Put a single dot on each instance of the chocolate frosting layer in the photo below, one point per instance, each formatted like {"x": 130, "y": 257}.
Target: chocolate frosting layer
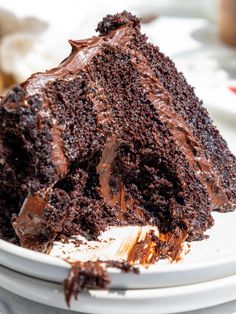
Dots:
{"x": 104, "y": 170}
{"x": 30, "y": 222}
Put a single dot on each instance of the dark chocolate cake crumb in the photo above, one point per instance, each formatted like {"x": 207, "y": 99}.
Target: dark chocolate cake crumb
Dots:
{"x": 92, "y": 275}
{"x": 84, "y": 276}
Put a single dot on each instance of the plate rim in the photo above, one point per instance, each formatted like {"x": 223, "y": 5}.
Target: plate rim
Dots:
{"x": 38, "y": 257}
{"x": 103, "y": 299}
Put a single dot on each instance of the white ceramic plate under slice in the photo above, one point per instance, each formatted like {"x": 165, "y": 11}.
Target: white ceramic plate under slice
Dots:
{"x": 207, "y": 260}
{"x": 148, "y": 301}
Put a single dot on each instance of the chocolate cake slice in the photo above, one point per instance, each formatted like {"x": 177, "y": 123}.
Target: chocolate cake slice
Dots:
{"x": 113, "y": 136}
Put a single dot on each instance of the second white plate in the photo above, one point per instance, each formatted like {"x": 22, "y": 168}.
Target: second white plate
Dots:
{"x": 149, "y": 301}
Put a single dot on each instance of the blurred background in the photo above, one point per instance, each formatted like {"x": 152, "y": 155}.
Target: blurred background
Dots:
{"x": 199, "y": 35}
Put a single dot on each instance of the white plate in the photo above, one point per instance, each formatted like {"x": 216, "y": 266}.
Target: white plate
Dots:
{"x": 210, "y": 259}
{"x": 149, "y": 301}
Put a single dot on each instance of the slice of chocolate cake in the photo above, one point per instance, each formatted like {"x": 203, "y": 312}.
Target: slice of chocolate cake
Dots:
{"x": 113, "y": 136}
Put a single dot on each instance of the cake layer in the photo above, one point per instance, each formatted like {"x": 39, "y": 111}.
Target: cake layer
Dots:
{"x": 113, "y": 136}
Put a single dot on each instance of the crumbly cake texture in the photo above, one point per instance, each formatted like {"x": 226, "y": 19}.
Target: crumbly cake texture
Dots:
{"x": 91, "y": 275}
{"x": 113, "y": 136}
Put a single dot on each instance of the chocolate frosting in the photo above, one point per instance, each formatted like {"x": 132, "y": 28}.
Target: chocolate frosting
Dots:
{"x": 29, "y": 223}
{"x": 57, "y": 155}
{"x": 104, "y": 170}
